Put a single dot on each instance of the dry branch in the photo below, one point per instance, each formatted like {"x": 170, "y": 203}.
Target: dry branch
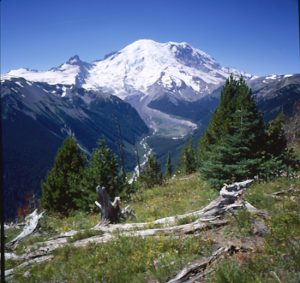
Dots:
{"x": 286, "y": 192}
{"x": 30, "y": 225}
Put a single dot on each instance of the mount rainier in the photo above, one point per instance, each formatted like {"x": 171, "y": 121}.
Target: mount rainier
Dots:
{"x": 142, "y": 73}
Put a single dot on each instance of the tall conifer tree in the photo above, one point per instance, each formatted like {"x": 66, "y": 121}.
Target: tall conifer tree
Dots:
{"x": 60, "y": 188}
{"x": 188, "y": 161}
{"x": 169, "y": 167}
{"x": 235, "y": 145}
{"x": 103, "y": 170}
{"x": 151, "y": 174}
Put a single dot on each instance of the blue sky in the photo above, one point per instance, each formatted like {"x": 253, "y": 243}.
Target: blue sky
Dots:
{"x": 257, "y": 36}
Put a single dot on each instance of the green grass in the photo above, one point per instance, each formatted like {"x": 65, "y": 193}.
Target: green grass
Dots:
{"x": 280, "y": 255}
{"x": 11, "y": 233}
{"x": 157, "y": 259}
{"x": 55, "y": 223}
{"x": 127, "y": 259}
{"x": 122, "y": 260}
{"x": 240, "y": 224}
{"x": 175, "y": 197}
{"x": 186, "y": 220}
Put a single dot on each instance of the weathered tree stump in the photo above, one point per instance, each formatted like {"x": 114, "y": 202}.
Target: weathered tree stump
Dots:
{"x": 110, "y": 211}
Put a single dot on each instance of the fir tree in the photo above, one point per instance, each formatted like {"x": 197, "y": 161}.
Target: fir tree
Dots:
{"x": 102, "y": 170}
{"x": 235, "y": 150}
{"x": 276, "y": 140}
{"x": 232, "y": 159}
{"x": 236, "y": 101}
{"x": 60, "y": 188}
{"x": 218, "y": 125}
{"x": 169, "y": 167}
{"x": 278, "y": 159}
{"x": 151, "y": 174}
{"x": 188, "y": 162}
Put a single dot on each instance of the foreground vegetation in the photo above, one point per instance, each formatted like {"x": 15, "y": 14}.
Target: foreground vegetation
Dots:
{"x": 156, "y": 259}
{"x": 278, "y": 259}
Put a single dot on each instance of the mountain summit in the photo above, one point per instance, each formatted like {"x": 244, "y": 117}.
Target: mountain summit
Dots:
{"x": 145, "y": 63}
{"x": 139, "y": 66}
{"x": 141, "y": 73}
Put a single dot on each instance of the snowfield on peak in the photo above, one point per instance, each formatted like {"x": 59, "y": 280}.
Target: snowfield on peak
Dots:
{"x": 137, "y": 67}
{"x": 66, "y": 75}
{"x": 69, "y": 73}
{"x": 145, "y": 62}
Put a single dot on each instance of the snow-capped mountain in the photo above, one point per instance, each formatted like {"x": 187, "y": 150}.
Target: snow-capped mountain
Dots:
{"x": 141, "y": 73}
{"x": 73, "y": 72}
{"x": 137, "y": 67}
{"x": 174, "y": 66}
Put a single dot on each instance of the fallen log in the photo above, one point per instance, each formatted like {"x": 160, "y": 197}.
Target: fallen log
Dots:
{"x": 198, "y": 269}
{"x": 10, "y": 272}
{"x": 49, "y": 246}
{"x": 31, "y": 222}
{"x": 227, "y": 200}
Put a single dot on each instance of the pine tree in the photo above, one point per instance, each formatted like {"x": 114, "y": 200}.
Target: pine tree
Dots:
{"x": 278, "y": 158}
{"x": 60, "y": 188}
{"x": 218, "y": 125}
{"x": 232, "y": 160}
{"x": 188, "y": 162}
{"x": 169, "y": 167}
{"x": 276, "y": 140}
{"x": 151, "y": 174}
{"x": 235, "y": 97}
{"x": 235, "y": 151}
{"x": 103, "y": 170}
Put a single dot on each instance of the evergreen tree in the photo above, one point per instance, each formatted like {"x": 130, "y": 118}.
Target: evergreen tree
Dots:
{"x": 169, "y": 167}
{"x": 102, "y": 170}
{"x": 276, "y": 140}
{"x": 235, "y": 145}
{"x": 232, "y": 159}
{"x": 220, "y": 120}
{"x": 151, "y": 174}
{"x": 60, "y": 188}
{"x": 236, "y": 101}
{"x": 188, "y": 162}
{"x": 278, "y": 159}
